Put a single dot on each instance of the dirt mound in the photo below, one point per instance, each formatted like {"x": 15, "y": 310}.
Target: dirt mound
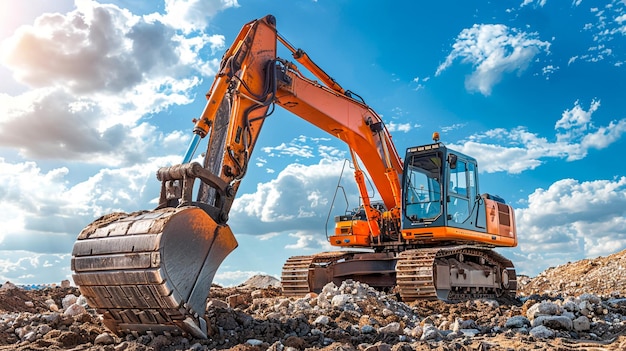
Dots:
{"x": 262, "y": 281}
{"x": 15, "y": 299}
{"x": 603, "y": 276}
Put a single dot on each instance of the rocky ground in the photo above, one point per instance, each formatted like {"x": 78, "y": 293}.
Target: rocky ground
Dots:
{"x": 577, "y": 306}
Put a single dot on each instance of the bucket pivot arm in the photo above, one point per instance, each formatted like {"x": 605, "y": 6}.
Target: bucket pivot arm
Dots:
{"x": 177, "y": 184}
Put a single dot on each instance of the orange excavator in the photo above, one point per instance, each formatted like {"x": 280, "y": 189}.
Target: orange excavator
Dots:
{"x": 430, "y": 236}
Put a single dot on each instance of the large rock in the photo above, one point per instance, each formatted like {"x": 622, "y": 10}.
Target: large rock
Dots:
{"x": 104, "y": 339}
{"x": 553, "y": 322}
{"x": 581, "y": 323}
{"x": 469, "y": 332}
{"x": 517, "y": 322}
{"x": 391, "y": 328}
{"x": 323, "y": 320}
{"x": 74, "y": 310}
{"x": 570, "y": 306}
{"x": 463, "y": 324}
{"x": 69, "y": 300}
{"x": 340, "y": 301}
{"x": 590, "y": 297}
{"x": 542, "y": 332}
{"x": 544, "y": 308}
{"x": 430, "y": 332}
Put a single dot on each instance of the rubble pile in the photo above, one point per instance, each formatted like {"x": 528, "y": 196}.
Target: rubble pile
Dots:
{"x": 604, "y": 276}
{"x": 351, "y": 316}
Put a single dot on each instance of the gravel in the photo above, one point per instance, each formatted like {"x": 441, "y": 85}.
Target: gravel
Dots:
{"x": 351, "y": 316}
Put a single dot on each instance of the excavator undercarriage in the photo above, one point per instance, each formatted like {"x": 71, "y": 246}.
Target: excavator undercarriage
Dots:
{"x": 451, "y": 274}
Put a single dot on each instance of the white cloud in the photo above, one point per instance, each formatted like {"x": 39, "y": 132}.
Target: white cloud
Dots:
{"x": 297, "y": 199}
{"x": 518, "y": 149}
{"x": 69, "y": 129}
{"x": 604, "y": 136}
{"x": 304, "y": 241}
{"x": 94, "y": 80}
{"x": 95, "y": 48}
{"x": 399, "y": 127}
{"x": 493, "y": 50}
{"x": 576, "y": 119}
{"x": 43, "y": 213}
{"x": 260, "y": 162}
{"x": 304, "y": 147}
{"x": 450, "y": 128}
{"x": 193, "y": 15}
{"x": 607, "y": 32}
{"x": 292, "y": 149}
{"x": 538, "y": 3}
{"x": 97, "y": 72}
{"x": 572, "y": 220}
{"x": 549, "y": 70}
{"x": 418, "y": 82}
{"x": 23, "y": 267}
{"x": 398, "y": 114}
{"x": 309, "y": 241}
{"x": 29, "y": 196}
{"x": 330, "y": 152}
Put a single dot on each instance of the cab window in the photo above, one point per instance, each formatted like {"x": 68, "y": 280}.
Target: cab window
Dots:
{"x": 422, "y": 188}
{"x": 461, "y": 189}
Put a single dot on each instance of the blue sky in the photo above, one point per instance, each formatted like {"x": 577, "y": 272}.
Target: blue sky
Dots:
{"x": 96, "y": 96}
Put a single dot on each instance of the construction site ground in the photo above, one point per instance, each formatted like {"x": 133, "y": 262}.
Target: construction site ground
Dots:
{"x": 576, "y": 306}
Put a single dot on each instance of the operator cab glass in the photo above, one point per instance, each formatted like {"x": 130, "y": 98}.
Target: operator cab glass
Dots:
{"x": 422, "y": 187}
{"x": 439, "y": 188}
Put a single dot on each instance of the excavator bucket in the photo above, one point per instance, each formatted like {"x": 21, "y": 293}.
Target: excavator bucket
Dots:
{"x": 151, "y": 271}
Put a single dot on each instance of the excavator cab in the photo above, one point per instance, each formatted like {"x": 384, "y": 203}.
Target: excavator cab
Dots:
{"x": 442, "y": 201}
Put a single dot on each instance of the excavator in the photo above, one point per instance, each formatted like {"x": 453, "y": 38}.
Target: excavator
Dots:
{"x": 430, "y": 236}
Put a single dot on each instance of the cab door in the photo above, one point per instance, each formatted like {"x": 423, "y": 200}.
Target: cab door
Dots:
{"x": 462, "y": 193}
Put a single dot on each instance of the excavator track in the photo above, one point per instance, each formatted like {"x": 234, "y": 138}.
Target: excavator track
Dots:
{"x": 297, "y": 279}
{"x": 415, "y": 274}
{"x": 150, "y": 272}
{"x": 295, "y": 275}
{"x": 442, "y": 273}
